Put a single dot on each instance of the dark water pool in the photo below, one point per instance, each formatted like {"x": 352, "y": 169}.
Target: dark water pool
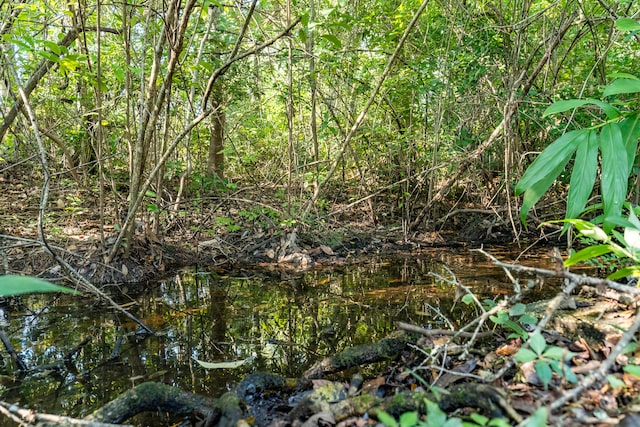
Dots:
{"x": 280, "y": 321}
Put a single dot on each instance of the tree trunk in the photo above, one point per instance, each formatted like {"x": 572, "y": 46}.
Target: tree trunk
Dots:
{"x": 215, "y": 164}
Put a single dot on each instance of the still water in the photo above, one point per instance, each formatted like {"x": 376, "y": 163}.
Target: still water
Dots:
{"x": 280, "y": 321}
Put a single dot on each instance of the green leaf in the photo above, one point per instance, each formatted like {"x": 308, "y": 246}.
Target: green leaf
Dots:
{"x": 304, "y": 19}
{"x": 544, "y": 372}
{"x": 525, "y": 355}
{"x": 16, "y": 285}
{"x": 630, "y": 130}
{"x": 479, "y": 419}
{"x": 556, "y": 154}
{"x": 537, "y": 343}
{"x": 409, "y": 419}
{"x": 633, "y": 370}
{"x": 528, "y": 319}
{"x": 554, "y": 352}
{"x": 632, "y": 234}
{"x": 519, "y": 331}
{"x": 568, "y": 374}
{"x": 614, "y": 382}
{"x": 619, "y": 86}
{"x": 517, "y": 309}
{"x": 467, "y": 299}
{"x": 583, "y": 175}
{"x": 631, "y": 271}
{"x": 587, "y": 253}
{"x": 500, "y": 318}
{"x": 627, "y": 24}
{"x": 614, "y": 174}
{"x": 534, "y": 193}
{"x": 435, "y": 415}
{"x": 570, "y": 104}
{"x": 386, "y": 419}
{"x": 49, "y": 56}
{"x": 336, "y": 43}
{"x": 538, "y": 419}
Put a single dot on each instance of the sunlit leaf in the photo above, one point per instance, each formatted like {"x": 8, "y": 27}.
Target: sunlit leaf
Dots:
{"x": 614, "y": 172}
{"x": 16, "y": 285}
{"x": 619, "y": 86}
{"x": 547, "y": 163}
{"x": 632, "y": 234}
{"x": 569, "y": 104}
{"x": 222, "y": 365}
{"x": 386, "y": 419}
{"x": 409, "y": 419}
{"x": 587, "y": 253}
{"x": 631, "y": 271}
{"x": 627, "y": 24}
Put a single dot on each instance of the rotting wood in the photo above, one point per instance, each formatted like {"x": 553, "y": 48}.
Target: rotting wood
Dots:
{"x": 151, "y": 396}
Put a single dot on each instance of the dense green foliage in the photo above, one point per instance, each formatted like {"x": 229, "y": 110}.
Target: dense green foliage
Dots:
{"x": 352, "y": 101}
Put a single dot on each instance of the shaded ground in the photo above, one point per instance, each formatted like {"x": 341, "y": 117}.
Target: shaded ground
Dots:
{"x": 246, "y": 226}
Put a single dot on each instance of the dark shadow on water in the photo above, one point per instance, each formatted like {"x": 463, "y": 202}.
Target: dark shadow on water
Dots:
{"x": 279, "y": 321}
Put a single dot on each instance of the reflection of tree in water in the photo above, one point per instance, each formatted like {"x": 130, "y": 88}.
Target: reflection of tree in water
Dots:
{"x": 283, "y": 321}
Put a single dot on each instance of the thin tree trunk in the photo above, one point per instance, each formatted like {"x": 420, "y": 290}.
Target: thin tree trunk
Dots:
{"x": 360, "y": 119}
{"x": 215, "y": 163}
{"x": 290, "y": 144}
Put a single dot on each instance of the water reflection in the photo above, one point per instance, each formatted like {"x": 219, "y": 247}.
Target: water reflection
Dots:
{"x": 282, "y": 321}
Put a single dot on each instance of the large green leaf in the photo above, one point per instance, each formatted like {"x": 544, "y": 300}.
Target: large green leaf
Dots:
{"x": 584, "y": 173}
{"x": 614, "y": 174}
{"x": 630, "y": 130}
{"x": 534, "y": 193}
{"x": 570, "y": 104}
{"x": 632, "y": 271}
{"x": 556, "y": 154}
{"x": 587, "y": 253}
{"x": 17, "y": 285}
{"x": 627, "y": 24}
{"x": 619, "y": 86}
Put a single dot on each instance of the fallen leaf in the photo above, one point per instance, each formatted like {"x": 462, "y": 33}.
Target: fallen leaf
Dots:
{"x": 222, "y": 365}
{"x": 326, "y": 249}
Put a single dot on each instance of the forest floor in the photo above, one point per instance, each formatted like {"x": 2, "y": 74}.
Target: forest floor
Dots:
{"x": 230, "y": 230}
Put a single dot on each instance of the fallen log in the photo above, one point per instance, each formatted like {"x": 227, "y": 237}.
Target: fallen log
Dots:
{"x": 151, "y": 396}
{"x": 386, "y": 349}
